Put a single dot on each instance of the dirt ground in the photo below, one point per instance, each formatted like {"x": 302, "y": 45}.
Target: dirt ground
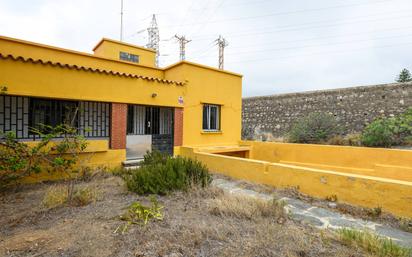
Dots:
{"x": 188, "y": 228}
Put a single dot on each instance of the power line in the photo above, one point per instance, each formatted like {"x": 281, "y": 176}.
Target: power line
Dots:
{"x": 326, "y": 44}
{"x": 317, "y": 38}
{"x": 320, "y": 53}
{"x": 299, "y": 27}
{"x": 284, "y": 13}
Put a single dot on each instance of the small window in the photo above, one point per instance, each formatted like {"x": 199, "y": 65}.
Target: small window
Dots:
{"x": 129, "y": 57}
{"x": 211, "y": 117}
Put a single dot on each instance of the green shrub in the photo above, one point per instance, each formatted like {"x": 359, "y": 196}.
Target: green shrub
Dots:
{"x": 314, "y": 128}
{"x": 161, "y": 174}
{"x": 18, "y": 160}
{"x": 387, "y": 132}
{"x": 379, "y": 133}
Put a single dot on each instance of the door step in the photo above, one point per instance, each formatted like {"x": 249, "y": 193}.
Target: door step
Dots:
{"x": 132, "y": 164}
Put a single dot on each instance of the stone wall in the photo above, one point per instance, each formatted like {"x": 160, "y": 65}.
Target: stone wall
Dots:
{"x": 272, "y": 116}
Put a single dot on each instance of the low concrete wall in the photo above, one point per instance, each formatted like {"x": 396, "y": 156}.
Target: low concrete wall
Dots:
{"x": 96, "y": 154}
{"x": 394, "y": 196}
{"x": 378, "y": 162}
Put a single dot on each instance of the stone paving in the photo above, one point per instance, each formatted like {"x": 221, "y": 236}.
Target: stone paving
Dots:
{"x": 320, "y": 217}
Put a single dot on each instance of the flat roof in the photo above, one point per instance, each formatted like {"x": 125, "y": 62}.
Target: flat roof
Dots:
{"x": 122, "y": 43}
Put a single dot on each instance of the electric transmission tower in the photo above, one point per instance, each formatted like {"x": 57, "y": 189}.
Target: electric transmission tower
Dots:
{"x": 182, "y": 42}
{"x": 154, "y": 38}
{"x": 222, "y": 43}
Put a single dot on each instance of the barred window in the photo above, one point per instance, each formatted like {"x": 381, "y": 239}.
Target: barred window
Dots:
{"x": 22, "y": 114}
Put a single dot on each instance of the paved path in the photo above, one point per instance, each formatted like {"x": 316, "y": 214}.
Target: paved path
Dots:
{"x": 320, "y": 217}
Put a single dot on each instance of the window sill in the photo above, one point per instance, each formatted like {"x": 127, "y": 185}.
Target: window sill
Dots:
{"x": 206, "y": 132}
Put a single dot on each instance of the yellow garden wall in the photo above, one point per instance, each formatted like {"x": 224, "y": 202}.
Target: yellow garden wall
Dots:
{"x": 394, "y": 196}
{"x": 379, "y": 162}
{"x": 97, "y": 154}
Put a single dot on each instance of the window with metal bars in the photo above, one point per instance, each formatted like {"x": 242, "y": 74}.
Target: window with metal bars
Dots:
{"x": 22, "y": 114}
{"x": 211, "y": 117}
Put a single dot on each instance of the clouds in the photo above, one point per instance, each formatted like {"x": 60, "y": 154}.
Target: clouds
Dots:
{"x": 279, "y": 46}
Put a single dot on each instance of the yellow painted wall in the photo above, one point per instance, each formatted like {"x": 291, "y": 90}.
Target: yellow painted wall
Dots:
{"x": 96, "y": 154}
{"x": 206, "y": 85}
{"x": 55, "y": 82}
{"x": 379, "y": 162}
{"x": 111, "y": 49}
{"x": 36, "y": 51}
{"x": 106, "y": 159}
{"x": 202, "y": 85}
{"x": 394, "y": 196}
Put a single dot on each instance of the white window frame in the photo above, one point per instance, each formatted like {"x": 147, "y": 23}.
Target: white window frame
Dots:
{"x": 208, "y": 118}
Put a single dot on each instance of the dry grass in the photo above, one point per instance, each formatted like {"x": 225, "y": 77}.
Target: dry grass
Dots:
{"x": 57, "y": 196}
{"x": 188, "y": 228}
{"x": 246, "y": 207}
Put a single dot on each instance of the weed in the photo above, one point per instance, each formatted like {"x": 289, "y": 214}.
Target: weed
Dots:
{"x": 332, "y": 198}
{"x": 405, "y": 224}
{"x": 140, "y": 214}
{"x": 375, "y": 212}
{"x": 373, "y": 244}
{"x": 247, "y": 207}
{"x": 58, "y": 195}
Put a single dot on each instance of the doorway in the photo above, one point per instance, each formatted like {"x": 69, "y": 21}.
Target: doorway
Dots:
{"x": 148, "y": 128}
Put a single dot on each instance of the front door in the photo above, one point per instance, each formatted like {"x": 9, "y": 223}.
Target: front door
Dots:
{"x": 148, "y": 128}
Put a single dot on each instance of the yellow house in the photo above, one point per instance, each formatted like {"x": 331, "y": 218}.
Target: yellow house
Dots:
{"x": 125, "y": 104}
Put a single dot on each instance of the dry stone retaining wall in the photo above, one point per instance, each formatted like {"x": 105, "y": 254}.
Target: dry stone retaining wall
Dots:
{"x": 272, "y": 116}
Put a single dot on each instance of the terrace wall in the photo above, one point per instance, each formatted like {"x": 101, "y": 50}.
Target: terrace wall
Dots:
{"x": 273, "y": 116}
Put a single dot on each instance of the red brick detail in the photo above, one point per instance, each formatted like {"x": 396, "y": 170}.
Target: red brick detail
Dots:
{"x": 178, "y": 127}
{"x": 118, "y": 126}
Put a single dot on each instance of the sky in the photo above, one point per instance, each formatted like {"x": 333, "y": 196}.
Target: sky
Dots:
{"x": 279, "y": 46}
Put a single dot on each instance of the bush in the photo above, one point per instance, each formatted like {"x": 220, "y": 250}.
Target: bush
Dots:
{"x": 379, "y": 133}
{"x": 161, "y": 174}
{"x": 315, "y": 128}
{"x": 19, "y": 160}
{"x": 387, "y": 132}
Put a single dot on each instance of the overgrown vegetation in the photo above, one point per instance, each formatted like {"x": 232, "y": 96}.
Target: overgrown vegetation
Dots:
{"x": 246, "y": 207}
{"x": 57, "y": 196}
{"x": 373, "y": 244}
{"x": 317, "y": 127}
{"x": 387, "y": 132}
{"x": 161, "y": 174}
{"x": 18, "y": 160}
{"x": 139, "y": 214}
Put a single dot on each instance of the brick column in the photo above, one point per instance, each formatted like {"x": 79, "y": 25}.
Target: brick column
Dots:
{"x": 118, "y": 126}
{"x": 178, "y": 127}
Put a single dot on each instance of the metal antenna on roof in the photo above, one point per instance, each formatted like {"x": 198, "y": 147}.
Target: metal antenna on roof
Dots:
{"x": 154, "y": 38}
{"x": 222, "y": 43}
{"x": 121, "y": 20}
{"x": 182, "y": 41}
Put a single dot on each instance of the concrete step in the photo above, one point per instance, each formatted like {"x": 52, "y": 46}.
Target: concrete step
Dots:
{"x": 132, "y": 163}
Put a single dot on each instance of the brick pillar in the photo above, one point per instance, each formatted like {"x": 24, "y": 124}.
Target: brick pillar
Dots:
{"x": 178, "y": 127}
{"x": 118, "y": 126}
